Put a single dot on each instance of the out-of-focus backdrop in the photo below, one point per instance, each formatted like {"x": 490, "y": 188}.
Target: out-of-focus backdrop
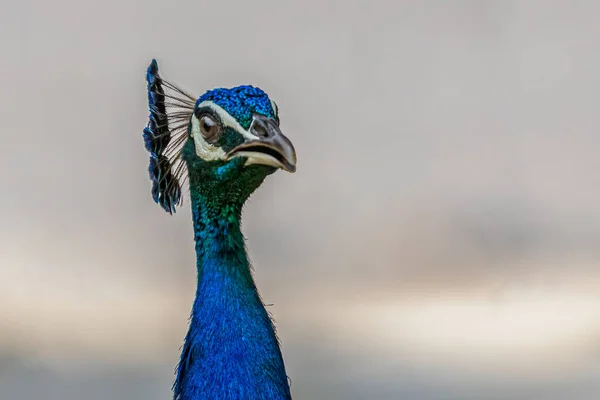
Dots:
{"x": 440, "y": 240}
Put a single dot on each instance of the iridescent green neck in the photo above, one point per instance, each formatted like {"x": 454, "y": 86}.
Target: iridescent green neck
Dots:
{"x": 231, "y": 350}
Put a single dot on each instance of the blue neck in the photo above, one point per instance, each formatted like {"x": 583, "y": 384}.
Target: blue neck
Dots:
{"x": 231, "y": 350}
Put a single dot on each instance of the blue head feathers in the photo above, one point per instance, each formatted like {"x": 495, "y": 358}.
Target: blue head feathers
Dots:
{"x": 208, "y": 133}
{"x": 241, "y": 103}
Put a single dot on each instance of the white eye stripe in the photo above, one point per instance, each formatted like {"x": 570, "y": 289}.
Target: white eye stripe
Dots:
{"x": 226, "y": 119}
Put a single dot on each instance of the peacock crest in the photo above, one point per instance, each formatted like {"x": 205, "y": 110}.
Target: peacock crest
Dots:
{"x": 164, "y": 137}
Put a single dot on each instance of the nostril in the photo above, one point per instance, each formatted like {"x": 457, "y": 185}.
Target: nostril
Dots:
{"x": 259, "y": 128}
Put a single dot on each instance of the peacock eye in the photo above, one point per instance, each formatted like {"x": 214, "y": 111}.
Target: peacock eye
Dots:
{"x": 209, "y": 128}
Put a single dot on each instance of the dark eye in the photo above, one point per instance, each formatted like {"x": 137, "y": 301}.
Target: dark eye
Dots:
{"x": 209, "y": 128}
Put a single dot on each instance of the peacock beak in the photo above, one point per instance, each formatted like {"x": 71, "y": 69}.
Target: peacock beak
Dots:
{"x": 270, "y": 147}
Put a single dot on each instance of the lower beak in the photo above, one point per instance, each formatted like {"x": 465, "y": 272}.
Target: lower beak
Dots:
{"x": 271, "y": 147}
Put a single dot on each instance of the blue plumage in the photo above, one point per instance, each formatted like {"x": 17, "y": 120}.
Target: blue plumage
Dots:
{"x": 229, "y": 141}
{"x": 230, "y": 351}
{"x": 241, "y": 102}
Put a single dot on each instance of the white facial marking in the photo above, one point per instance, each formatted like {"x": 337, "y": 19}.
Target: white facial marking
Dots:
{"x": 207, "y": 151}
{"x": 275, "y": 109}
{"x": 227, "y": 119}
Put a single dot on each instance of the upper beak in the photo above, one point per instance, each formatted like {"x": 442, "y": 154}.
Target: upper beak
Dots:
{"x": 271, "y": 147}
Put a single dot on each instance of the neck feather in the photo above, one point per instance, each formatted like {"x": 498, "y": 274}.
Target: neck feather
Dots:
{"x": 231, "y": 350}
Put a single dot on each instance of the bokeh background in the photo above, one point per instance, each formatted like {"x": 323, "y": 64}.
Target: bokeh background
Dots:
{"x": 440, "y": 240}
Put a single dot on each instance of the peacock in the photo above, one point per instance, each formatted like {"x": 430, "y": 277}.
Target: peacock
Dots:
{"x": 223, "y": 144}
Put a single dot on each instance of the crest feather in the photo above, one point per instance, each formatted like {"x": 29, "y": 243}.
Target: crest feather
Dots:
{"x": 164, "y": 136}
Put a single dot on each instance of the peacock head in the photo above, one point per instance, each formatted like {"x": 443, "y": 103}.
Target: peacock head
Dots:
{"x": 228, "y": 140}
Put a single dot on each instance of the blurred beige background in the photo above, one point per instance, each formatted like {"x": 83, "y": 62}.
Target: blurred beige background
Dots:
{"x": 440, "y": 240}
